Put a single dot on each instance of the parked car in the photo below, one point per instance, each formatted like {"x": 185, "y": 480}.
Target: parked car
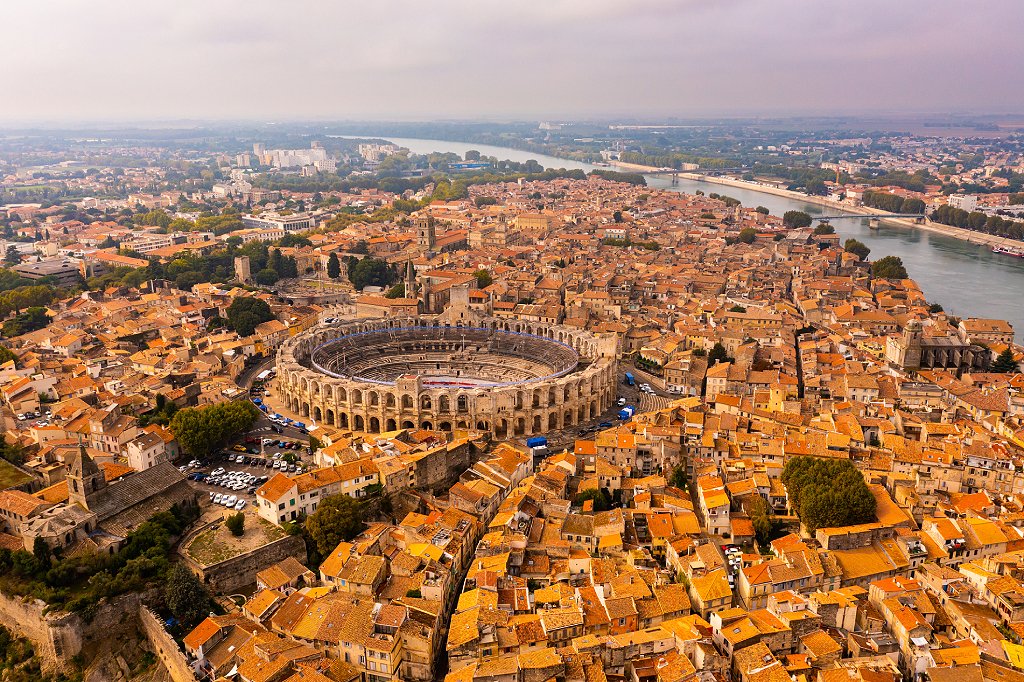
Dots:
{"x": 240, "y": 505}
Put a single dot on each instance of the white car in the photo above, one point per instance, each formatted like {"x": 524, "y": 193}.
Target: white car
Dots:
{"x": 218, "y": 498}
{"x": 240, "y": 505}
{"x": 268, "y": 441}
{"x": 230, "y": 501}
{"x": 219, "y": 471}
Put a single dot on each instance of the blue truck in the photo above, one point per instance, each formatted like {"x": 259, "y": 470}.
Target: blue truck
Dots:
{"x": 627, "y": 412}
{"x": 536, "y": 442}
{"x": 630, "y": 380}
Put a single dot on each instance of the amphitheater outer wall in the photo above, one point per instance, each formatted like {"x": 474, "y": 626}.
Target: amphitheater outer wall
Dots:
{"x": 523, "y": 409}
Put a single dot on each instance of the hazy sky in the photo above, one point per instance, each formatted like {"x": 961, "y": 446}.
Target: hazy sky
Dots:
{"x": 82, "y": 60}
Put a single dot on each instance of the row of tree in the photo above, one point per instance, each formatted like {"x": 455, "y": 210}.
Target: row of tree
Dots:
{"x": 893, "y": 202}
{"x": 202, "y": 430}
{"x": 978, "y": 221}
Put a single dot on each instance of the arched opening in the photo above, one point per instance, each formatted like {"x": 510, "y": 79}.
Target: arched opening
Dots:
{"x": 520, "y": 426}
{"x": 536, "y": 398}
{"x": 482, "y": 426}
{"x": 357, "y": 397}
{"x": 389, "y": 400}
{"x": 463, "y": 403}
{"x": 408, "y": 425}
{"x": 519, "y": 400}
{"x": 407, "y": 402}
{"x": 445, "y": 426}
{"x": 502, "y": 428}
{"x": 536, "y": 424}
{"x": 305, "y": 409}
{"x": 317, "y": 414}
{"x": 567, "y": 419}
{"x": 427, "y": 426}
{"x": 330, "y": 417}
{"x": 374, "y": 425}
{"x": 390, "y": 425}
{"x": 342, "y": 395}
{"x": 581, "y": 413}
{"x": 343, "y": 420}
{"x": 358, "y": 423}
{"x": 425, "y": 402}
{"x": 444, "y": 404}
{"x": 552, "y": 421}
{"x": 593, "y": 409}
{"x": 374, "y": 399}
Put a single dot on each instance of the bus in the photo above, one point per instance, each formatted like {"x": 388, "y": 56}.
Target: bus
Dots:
{"x": 630, "y": 380}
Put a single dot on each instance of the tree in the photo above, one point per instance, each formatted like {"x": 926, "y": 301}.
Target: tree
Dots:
{"x": 32, "y": 319}
{"x": 483, "y": 278}
{"x": 236, "y": 524}
{"x": 890, "y": 267}
{"x": 186, "y": 596}
{"x": 762, "y": 210}
{"x": 796, "y": 219}
{"x": 617, "y": 216}
{"x": 201, "y": 430}
{"x": 826, "y": 493}
{"x": 396, "y": 291}
{"x": 747, "y": 235}
{"x": 602, "y": 500}
{"x": 13, "y": 256}
{"x": 761, "y": 517}
{"x": 824, "y": 228}
{"x": 266, "y": 277}
{"x": 857, "y": 248}
{"x": 737, "y": 309}
{"x": 371, "y": 272}
{"x": 246, "y": 312}
{"x": 333, "y": 266}
{"x": 7, "y": 355}
{"x": 718, "y": 354}
{"x": 337, "y": 519}
{"x": 41, "y": 551}
{"x": 678, "y": 478}
{"x": 1005, "y": 362}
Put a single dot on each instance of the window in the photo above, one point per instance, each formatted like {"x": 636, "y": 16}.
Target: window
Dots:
{"x": 280, "y": 506}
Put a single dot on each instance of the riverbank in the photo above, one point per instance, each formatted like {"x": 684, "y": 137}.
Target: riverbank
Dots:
{"x": 768, "y": 188}
{"x": 928, "y": 225}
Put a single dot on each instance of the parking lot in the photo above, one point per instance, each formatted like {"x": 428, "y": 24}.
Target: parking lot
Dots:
{"x": 246, "y": 471}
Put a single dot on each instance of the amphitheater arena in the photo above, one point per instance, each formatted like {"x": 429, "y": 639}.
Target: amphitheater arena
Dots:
{"x": 506, "y": 377}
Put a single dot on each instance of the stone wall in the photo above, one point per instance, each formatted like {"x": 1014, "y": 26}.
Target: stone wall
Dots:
{"x": 163, "y": 645}
{"x": 239, "y": 571}
{"x": 60, "y": 636}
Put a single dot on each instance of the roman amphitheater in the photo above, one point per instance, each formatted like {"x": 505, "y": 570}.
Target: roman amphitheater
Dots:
{"x": 506, "y": 377}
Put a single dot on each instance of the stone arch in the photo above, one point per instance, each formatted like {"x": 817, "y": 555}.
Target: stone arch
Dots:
{"x": 427, "y": 426}
{"x": 567, "y": 419}
{"x": 374, "y": 398}
{"x": 317, "y": 414}
{"x": 408, "y": 425}
{"x": 342, "y": 394}
{"x": 343, "y": 420}
{"x": 520, "y": 399}
{"x": 305, "y": 409}
{"x": 407, "y": 402}
{"x": 593, "y": 409}
{"x": 482, "y": 426}
{"x": 444, "y": 404}
{"x": 330, "y": 417}
{"x": 445, "y": 426}
{"x": 462, "y": 403}
{"x": 357, "y": 397}
{"x": 426, "y": 402}
{"x": 536, "y": 424}
{"x": 565, "y": 393}
{"x": 374, "y": 425}
{"x": 358, "y": 424}
{"x": 552, "y": 421}
{"x": 389, "y": 400}
{"x": 536, "y": 398}
{"x": 501, "y": 428}
{"x": 520, "y": 427}
{"x": 390, "y": 425}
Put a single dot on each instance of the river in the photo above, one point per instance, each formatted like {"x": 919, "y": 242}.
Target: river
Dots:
{"x": 967, "y": 279}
